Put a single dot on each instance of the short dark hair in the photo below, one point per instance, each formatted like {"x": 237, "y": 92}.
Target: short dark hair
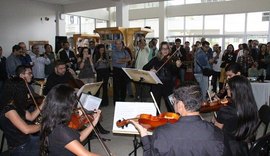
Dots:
{"x": 205, "y": 43}
{"x": 58, "y": 63}
{"x": 177, "y": 40}
{"x": 21, "y": 69}
{"x": 234, "y": 67}
{"x": 16, "y": 47}
{"x": 190, "y": 95}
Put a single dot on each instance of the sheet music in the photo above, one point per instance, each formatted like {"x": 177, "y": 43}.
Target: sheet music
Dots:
{"x": 146, "y": 76}
{"x": 129, "y": 110}
{"x": 90, "y": 102}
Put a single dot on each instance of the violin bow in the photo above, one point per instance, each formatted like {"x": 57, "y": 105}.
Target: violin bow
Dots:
{"x": 107, "y": 150}
{"x": 169, "y": 58}
{"x": 155, "y": 102}
{"x": 31, "y": 95}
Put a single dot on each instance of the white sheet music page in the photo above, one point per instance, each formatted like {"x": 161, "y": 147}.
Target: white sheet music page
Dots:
{"x": 128, "y": 110}
{"x": 90, "y": 102}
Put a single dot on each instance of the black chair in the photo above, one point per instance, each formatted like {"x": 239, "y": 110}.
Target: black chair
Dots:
{"x": 264, "y": 114}
{"x": 261, "y": 147}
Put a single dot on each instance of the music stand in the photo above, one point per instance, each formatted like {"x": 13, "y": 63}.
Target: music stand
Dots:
{"x": 90, "y": 88}
{"x": 141, "y": 76}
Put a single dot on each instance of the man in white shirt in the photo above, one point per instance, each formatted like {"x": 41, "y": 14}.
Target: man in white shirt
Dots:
{"x": 39, "y": 62}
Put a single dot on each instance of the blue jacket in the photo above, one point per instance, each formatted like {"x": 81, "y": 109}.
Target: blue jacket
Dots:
{"x": 202, "y": 59}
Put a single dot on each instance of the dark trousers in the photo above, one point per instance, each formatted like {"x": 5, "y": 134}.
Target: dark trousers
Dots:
{"x": 31, "y": 148}
{"x": 119, "y": 84}
{"x": 215, "y": 79}
{"x": 103, "y": 75}
{"x": 164, "y": 91}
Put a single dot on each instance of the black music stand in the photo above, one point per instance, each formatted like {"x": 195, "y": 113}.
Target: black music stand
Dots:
{"x": 141, "y": 77}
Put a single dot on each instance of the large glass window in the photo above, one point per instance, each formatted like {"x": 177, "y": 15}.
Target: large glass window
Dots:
{"x": 175, "y": 26}
{"x": 193, "y": 1}
{"x": 175, "y": 2}
{"x": 101, "y": 23}
{"x": 255, "y": 25}
{"x": 136, "y": 23}
{"x": 234, "y": 24}
{"x": 87, "y": 25}
{"x": 194, "y": 25}
{"x": 154, "y": 24}
{"x": 72, "y": 25}
{"x": 144, "y": 5}
{"x": 235, "y": 41}
{"x": 213, "y": 25}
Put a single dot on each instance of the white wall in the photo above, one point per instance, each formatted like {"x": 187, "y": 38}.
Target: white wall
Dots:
{"x": 20, "y": 21}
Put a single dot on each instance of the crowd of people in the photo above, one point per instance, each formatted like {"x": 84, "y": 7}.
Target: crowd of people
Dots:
{"x": 227, "y": 134}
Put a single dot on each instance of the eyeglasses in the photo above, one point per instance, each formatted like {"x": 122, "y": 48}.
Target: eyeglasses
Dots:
{"x": 30, "y": 73}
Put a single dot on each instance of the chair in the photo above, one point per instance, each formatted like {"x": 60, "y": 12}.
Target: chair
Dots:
{"x": 261, "y": 147}
{"x": 264, "y": 115}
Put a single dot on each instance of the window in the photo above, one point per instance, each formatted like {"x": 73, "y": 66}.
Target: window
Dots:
{"x": 255, "y": 25}
{"x": 175, "y": 26}
{"x": 154, "y": 24}
{"x": 194, "y": 25}
{"x": 144, "y": 5}
{"x": 213, "y": 25}
{"x": 193, "y": 1}
{"x": 175, "y": 2}
{"x": 136, "y": 23}
{"x": 101, "y": 23}
{"x": 72, "y": 24}
{"x": 87, "y": 25}
{"x": 235, "y": 41}
{"x": 235, "y": 24}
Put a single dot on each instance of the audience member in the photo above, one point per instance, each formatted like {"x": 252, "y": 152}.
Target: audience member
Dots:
{"x": 3, "y": 71}
{"x": 68, "y": 56}
{"x": 25, "y": 57}
{"x": 13, "y": 61}
{"x": 50, "y": 54}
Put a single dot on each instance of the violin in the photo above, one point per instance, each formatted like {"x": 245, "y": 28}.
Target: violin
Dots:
{"x": 78, "y": 120}
{"x": 151, "y": 122}
{"x": 214, "y": 105}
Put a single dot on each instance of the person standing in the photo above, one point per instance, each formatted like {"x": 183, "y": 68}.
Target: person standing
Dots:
{"x": 3, "y": 71}
{"x": 25, "y": 58}
{"x": 201, "y": 61}
{"x": 50, "y": 54}
{"x": 13, "y": 61}
{"x": 120, "y": 58}
{"x": 217, "y": 56}
{"x": 68, "y": 56}
{"x": 39, "y": 63}
{"x": 103, "y": 72}
{"x": 165, "y": 74}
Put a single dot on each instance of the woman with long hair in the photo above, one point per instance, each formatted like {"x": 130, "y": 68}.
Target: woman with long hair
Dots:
{"x": 56, "y": 137}
{"x": 86, "y": 66}
{"x": 239, "y": 119}
{"x": 165, "y": 74}
{"x": 16, "y": 122}
{"x": 102, "y": 67}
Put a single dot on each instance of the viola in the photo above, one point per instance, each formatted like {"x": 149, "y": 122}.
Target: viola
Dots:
{"x": 151, "y": 122}
{"x": 214, "y": 105}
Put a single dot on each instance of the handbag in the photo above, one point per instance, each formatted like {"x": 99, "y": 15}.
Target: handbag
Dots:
{"x": 206, "y": 71}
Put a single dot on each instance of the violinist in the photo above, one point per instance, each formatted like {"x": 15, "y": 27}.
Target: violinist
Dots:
{"x": 56, "y": 137}
{"x": 232, "y": 69}
{"x": 190, "y": 135}
{"x": 15, "y": 119}
{"x": 239, "y": 119}
{"x": 165, "y": 74}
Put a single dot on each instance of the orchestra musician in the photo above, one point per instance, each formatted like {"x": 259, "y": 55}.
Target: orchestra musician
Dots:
{"x": 56, "y": 137}
{"x": 15, "y": 119}
{"x": 239, "y": 119}
{"x": 62, "y": 75}
{"x": 165, "y": 74}
{"x": 190, "y": 135}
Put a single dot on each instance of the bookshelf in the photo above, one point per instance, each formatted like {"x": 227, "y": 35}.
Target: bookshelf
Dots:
{"x": 82, "y": 40}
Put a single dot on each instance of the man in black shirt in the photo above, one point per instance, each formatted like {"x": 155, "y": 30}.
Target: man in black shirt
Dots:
{"x": 191, "y": 135}
{"x": 59, "y": 76}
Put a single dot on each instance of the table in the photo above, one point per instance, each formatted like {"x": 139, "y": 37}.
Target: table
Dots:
{"x": 261, "y": 92}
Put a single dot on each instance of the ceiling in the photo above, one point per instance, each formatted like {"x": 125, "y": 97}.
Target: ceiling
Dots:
{"x": 61, "y": 2}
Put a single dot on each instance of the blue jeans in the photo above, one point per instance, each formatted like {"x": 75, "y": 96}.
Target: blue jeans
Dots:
{"x": 30, "y": 148}
{"x": 181, "y": 74}
{"x": 203, "y": 82}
